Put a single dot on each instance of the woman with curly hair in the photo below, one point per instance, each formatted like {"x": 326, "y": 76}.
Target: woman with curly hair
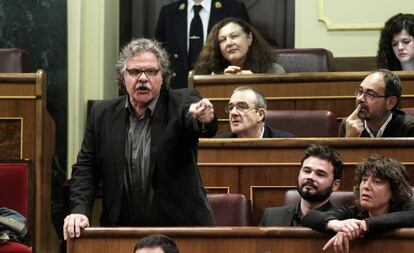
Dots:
{"x": 235, "y": 47}
{"x": 384, "y": 202}
{"x": 396, "y": 45}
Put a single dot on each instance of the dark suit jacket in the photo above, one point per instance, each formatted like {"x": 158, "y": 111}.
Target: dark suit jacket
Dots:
{"x": 284, "y": 215}
{"x": 174, "y": 137}
{"x": 401, "y": 125}
{"x": 172, "y": 31}
{"x": 268, "y": 133}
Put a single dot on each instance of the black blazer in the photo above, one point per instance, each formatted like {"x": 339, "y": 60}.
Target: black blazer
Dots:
{"x": 171, "y": 30}
{"x": 268, "y": 133}
{"x": 174, "y": 138}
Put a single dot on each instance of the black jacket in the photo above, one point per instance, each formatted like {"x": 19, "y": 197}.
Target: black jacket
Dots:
{"x": 174, "y": 138}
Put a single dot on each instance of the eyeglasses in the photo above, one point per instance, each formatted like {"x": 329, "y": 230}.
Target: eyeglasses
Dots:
{"x": 370, "y": 95}
{"x": 138, "y": 72}
{"x": 240, "y": 107}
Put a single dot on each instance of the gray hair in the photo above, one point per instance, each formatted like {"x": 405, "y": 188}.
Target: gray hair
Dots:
{"x": 136, "y": 46}
{"x": 261, "y": 100}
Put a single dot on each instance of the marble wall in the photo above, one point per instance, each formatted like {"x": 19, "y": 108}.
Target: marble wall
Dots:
{"x": 40, "y": 27}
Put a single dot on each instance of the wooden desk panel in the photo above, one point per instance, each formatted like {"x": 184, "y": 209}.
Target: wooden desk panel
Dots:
{"x": 234, "y": 239}
{"x": 333, "y": 91}
{"x": 27, "y": 131}
{"x": 264, "y": 169}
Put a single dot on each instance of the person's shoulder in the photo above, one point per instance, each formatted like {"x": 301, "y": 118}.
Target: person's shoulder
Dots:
{"x": 278, "y": 216}
{"x": 232, "y": 3}
{"x": 276, "y": 133}
{"x": 276, "y": 68}
{"x": 279, "y": 209}
{"x": 226, "y": 135}
{"x": 109, "y": 103}
{"x": 174, "y": 5}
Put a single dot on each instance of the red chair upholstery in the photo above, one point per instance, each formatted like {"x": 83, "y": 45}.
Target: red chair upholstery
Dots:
{"x": 231, "y": 209}
{"x": 14, "y": 60}
{"x": 304, "y": 123}
{"x": 16, "y": 192}
{"x": 306, "y": 59}
{"x": 338, "y": 198}
{"x": 14, "y": 247}
{"x": 409, "y": 111}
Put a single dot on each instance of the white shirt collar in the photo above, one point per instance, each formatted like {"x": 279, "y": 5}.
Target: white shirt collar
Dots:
{"x": 261, "y": 135}
{"x": 206, "y": 4}
{"x": 381, "y": 130}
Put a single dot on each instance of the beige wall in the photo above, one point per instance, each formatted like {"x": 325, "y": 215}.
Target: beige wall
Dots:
{"x": 347, "y": 28}
{"x": 93, "y": 35}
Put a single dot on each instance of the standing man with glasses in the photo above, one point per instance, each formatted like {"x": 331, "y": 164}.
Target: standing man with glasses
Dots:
{"x": 143, "y": 148}
{"x": 247, "y": 111}
{"x": 377, "y": 111}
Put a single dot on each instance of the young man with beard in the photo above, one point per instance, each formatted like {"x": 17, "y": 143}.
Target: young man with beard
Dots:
{"x": 319, "y": 176}
{"x": 377, "y": 114}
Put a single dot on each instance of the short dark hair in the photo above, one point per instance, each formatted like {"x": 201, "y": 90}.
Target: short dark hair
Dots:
{"x": 392, "y": 171}
{"x": 392, "y": 85}
{"x": 155, "y": 241}
{"x": 325, "y": 153}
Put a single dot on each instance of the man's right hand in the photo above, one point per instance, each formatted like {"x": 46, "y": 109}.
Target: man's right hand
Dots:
{"x": 354, "y": 125}
{"x": 73, "y": 224}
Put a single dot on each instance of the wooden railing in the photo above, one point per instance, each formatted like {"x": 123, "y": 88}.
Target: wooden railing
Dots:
{"x": 234, "y": 239}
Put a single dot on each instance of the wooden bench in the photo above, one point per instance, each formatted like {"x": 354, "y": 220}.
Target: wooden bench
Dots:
{"x": 28, "y": 132}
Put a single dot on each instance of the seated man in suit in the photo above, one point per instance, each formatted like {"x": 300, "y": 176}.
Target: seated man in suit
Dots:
{"x": 247, "y": 111}
{"x": 377, "y": 114}
{"x": 156, "y": 243}
{"x": 319, "y": 176}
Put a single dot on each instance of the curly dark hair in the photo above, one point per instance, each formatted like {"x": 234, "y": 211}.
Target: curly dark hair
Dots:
{"x": 385, "y": 55}
{"x": 325, "y": 153}
{"x": 259, "y": 59}
{"x": 393, "y": 172}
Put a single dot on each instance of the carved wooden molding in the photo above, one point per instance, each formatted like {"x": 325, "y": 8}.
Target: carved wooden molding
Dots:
{"x": 331, "y": 26}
